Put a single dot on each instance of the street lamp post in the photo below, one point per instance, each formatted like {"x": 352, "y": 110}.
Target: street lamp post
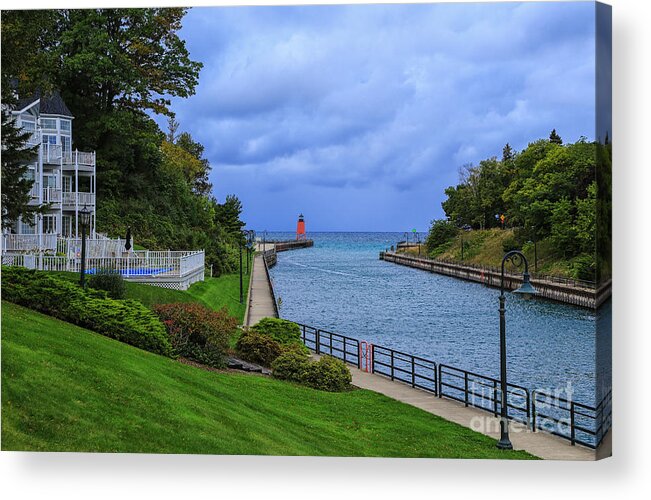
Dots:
{"x": 516, "y": 258}
{"x": 241, "y": 280}
{"x": 84, "y": 218}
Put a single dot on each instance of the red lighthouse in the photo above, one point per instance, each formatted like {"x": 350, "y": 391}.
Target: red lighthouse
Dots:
{"x": 300, "y": 228}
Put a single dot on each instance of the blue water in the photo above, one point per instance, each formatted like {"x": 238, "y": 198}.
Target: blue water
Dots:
{"x": 340, "y": 285}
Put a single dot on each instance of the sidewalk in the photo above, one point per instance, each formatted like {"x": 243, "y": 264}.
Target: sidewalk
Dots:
{"x": 261, "y": 304}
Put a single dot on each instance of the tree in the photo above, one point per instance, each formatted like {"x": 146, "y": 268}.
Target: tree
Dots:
{"x": 172, "y": 127}
{"x": 228, "y": 216}
{"x": 200, "y": 182}
{"x": 15, "y": 158}
{"x": 507, "y": 153}
{"x": 554, "y": 138}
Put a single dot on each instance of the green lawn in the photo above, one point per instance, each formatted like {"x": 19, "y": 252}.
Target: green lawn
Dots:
{"x": 213, "y": 292}
{"x": 68, "y": 389}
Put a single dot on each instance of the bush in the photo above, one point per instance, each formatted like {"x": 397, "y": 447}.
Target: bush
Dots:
{"x": 291, "y": 365}
{"x": 109, "y": 281}
{"x": 125, "y": 320}
{"x": 510, "y": 243}
{"x": 257, "y": 348}
{"x": 281, "y": 330}
{"x": 584, "y": 267}
{"x": 197, "y": 332}
{"x": 327, "y": 374}
{"x": 441, "y": 232}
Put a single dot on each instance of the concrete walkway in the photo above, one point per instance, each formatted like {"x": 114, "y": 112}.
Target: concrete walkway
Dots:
{"x": 538, "y": 443}
{"x": 261, "y": 302}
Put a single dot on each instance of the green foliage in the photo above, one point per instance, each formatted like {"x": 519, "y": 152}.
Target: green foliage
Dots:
{"x": 509, "y": 244}
{"x": 440, "y": 233}
{"x": 291, "y": 365}
{"x": 328, "y": 374}
{"x": 560, "y": 190}
{"x": 281, "y": 330}
{"x": 125, "y": 320}
{"x": 258, "y": 348}
{"x": 109, "y": 281}
{"x": 197, "y": 332}
{"x": 583, "y": 267}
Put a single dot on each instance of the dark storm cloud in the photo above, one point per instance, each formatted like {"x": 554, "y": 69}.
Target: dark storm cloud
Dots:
{"x": 368, "y": 98}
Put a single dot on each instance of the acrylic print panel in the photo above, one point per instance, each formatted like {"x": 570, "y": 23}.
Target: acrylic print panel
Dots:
{"x": 318, "y": 214}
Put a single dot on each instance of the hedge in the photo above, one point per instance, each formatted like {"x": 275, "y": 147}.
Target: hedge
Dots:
{"x": 125, "y": 320}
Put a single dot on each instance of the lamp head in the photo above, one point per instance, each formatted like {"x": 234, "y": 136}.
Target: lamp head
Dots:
{"x": 84, "y": 216}
{"x": 526, "y": 289}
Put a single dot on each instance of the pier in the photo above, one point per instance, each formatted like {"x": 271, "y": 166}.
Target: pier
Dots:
{"x": 568, "y": 291}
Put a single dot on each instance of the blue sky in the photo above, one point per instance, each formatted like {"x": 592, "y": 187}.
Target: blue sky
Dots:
{"x": 360, "y": 116}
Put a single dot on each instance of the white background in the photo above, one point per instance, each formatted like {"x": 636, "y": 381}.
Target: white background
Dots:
{"x": 626, "y": 475}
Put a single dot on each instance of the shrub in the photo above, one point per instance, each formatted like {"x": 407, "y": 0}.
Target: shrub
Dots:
{"x": 440, "y": 233}
{"x": 584, "y": 267}
{"x": 197, "y": 332}
{"x": 327, "y": 374}
{"x": 258, "y": 348}
{"x": 109, "y": 281}
{"x": 510, "y": 243}
{"x": 281, "y": 330}
{"x": 291, "y": 365}
{"x": 125, "y": 320}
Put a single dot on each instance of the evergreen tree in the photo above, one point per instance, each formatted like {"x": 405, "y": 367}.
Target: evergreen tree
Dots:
{"x": 15, "y": 157}
{"x": 507, "y": 153}
{"x": 554, "y": 138}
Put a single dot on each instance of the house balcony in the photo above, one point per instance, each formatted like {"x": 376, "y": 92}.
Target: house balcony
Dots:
{"x": 77, "y": 199}
{"x": 55, "y": 155}
{"x": 51, "y": 195}
{"x": 28, "y": 242}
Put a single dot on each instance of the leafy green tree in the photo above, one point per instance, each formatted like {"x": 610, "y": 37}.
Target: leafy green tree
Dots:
{"x": 199, "y": 182}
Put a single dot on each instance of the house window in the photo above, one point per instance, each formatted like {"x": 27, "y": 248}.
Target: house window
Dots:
{"x": 49, "y": 223}
{"x": 49, "y": 181}
{"x": 49, "y": 139}
{"x": 65, "y": 142}
{"x": 28, "y": 126}
{"x": 49, "y": 123}
{"x": 67, "y": 183}
{"x": 65, "y": 125}
{"x": 66, "y": 230}
{"x": 26, "y": 228}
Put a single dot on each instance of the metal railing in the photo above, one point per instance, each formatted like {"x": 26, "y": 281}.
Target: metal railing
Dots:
{"x": 413, "y": 370}
{"x": 483, "y": 392}
{"x": 339, "y": 346}
{"x": 582, "y": 424}
{"x": 571, "y": 420}
{"x": 29, "y": 242}
{"x": 51, "y": 195}
{"x": 271, "y": 285}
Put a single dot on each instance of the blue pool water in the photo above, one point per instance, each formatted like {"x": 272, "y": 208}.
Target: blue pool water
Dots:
{"x": 340, "y": 285}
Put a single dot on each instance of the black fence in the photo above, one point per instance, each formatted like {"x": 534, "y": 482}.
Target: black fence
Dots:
{"x": 577, "y": 422}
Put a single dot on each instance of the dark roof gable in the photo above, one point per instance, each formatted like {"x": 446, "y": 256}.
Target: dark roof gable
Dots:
{"x": 50, "y": 104}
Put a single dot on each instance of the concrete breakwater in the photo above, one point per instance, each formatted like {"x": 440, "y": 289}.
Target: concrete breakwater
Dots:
{"x": 565, "y": 291}
{"x": 271, "y": 248}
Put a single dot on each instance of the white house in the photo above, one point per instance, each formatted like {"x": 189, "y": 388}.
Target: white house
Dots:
{"x": 64, "y": 178}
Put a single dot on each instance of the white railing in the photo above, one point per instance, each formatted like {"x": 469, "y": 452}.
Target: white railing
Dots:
{"x": 52, "y": 153}
{"x": 51, "y": 195}
{"x": 95, "y": 247}
{"x": 34, "y": 139}
{"x": 135, "y": 265}
{"x": 69, "y": 198}
{"x": 79, "y": 157}
{"x": 28, "y": 242}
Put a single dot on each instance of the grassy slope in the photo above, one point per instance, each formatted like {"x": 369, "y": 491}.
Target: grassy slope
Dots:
{"x": 68, "y": 389}
{"x": 213, "y": 292}
{"x": 485, "y": 247}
